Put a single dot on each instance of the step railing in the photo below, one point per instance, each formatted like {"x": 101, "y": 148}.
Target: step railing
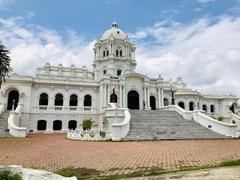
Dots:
{"x": 223, "y": 128}
{"x": 14, "y": 123}
{"x": 236, "y": 119}
{"x": 119, "y": 119}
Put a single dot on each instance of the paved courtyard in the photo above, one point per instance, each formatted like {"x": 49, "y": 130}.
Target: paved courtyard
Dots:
{"x": 53, "y": 152}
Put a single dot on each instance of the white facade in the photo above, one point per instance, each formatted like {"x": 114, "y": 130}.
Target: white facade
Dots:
{"x": 71, "y": 93}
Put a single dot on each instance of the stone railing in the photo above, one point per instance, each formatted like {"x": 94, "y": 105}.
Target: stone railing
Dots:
{"x": 119, "y": 121}
{"x": 223, "y": 128}
{"x": 14, "y": 122}
{"x": 236, "y": 119}
{"x": 3, "y": 108}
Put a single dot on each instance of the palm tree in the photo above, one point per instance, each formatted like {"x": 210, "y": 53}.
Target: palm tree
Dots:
{"x": 5, "y": 67}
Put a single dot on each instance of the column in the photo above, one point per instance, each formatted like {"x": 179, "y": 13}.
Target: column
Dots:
{"x": 145, "y": 98}
{"x": 101, "y": 96}
{"x": 124, "y": 96}
{"x": 108, "y": 94}
{"x": 159, "y": 98}
{"x": 162, "y": 103}
{"x": 148, "y": 99}
{"x": 120, "y": 97}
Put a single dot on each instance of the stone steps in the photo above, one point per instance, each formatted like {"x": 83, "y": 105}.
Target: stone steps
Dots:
{"x": 157, "y": 125}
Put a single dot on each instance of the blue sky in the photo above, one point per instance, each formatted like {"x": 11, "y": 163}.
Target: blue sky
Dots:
{"x": 195, "y": 39}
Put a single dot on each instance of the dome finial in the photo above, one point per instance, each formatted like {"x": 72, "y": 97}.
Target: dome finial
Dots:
{"x": 114, "y": 24}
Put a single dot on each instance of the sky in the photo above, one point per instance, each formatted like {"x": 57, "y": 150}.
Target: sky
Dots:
{"x": 197, "y": 40}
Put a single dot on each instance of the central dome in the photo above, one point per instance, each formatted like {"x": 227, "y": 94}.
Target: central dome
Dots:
{"x": 114, "y": 32}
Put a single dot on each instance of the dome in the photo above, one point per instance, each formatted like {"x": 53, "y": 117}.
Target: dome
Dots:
{"x": 114, "y": 32}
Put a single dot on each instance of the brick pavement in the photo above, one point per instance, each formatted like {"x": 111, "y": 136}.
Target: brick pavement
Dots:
{"x": 53, "y": 152}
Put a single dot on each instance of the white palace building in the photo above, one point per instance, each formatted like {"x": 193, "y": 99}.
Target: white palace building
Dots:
{"x": 124, "y": 103}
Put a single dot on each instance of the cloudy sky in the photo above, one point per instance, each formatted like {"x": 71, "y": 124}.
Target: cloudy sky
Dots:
{"x": 198, "y": 40}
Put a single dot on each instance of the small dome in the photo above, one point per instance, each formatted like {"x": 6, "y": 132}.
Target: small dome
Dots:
{"x": 114, "y": 32}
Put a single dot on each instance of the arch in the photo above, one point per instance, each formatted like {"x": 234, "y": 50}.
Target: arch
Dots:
{"x": 119, "y": 72}
{"x": 153, "y": 103}
{"x": 72, "y": 124}
{"x": 120, "y": 53}
{"x": 107, "y": 53}
{"x": 191, "y": 106}
{"x": 233, "y": 122}
{"x": 113, "y": 98}
{"x": 181, "y": 104}
{"x": 212, "y": 108}
{"x": 13, "y": 97}
{"x": 133, "y": 100}
{"x": 204, "y": 107}
{"x": 104, "y": 53}
{"x": 73, "y": 101}
{"x": 116, "y": 52}
{"x": 43, "y": 99}
{"x": 87, "y": 100}
{"x": 165, "y": 102}
{"x": 58, "y": 100}
{"x": 57, "y": 125}
{"x": 41, "y": 125}
{"x": 232, "y": 108}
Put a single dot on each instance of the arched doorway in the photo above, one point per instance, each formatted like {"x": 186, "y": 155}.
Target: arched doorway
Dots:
{"x": 133, "y": 100}
{"x": 113, "y": 98}
{"x": 181, "y": 104}
{"x": 232, "y": 108}
{"x": 13, "y": 98}
{"x": 57, "y": 125}
{"x": 191, "y": 106}
{"x": 72, "y": 124}
{"x": 153, "y": 103}
{"x": 41, "y": 125}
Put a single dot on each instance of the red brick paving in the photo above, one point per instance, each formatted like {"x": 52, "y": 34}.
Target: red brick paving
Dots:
{"x": 53, "y": 152}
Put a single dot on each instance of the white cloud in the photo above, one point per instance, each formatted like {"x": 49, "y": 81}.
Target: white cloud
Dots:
{"x": 4, "y": 4}
{"x": 32, "y": 46}
{"x": 205, "y": 1}
{"x": 205, "y": 53}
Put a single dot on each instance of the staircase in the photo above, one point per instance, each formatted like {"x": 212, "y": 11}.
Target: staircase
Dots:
{"x": 4, "y": 124}
{"x": 157, "y": 125}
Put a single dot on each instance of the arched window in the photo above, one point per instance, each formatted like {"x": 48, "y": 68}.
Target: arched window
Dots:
{"x": 72, "y": 124}
{"x": 181, "y": 104}
{"x": 212, "y": 108}
{"x": 191, "y": 106}
{"x": 107, "y": 53}
{"x": 113, "y": 98}
{"x": 43, "y": 100}
{"x": 153, "y": 103}
{"x": 120, "y": 53}
{"x": 87, "y": 100}
{"x": 119, "y": 72}
{"x": 104, "y": 53}
{"x": 58, "y": 100}
{"x": 204, "y": 107}
{"x": 73, "y": 100}
{"x": 41, "y": 125}
{"x": 116, "y": 52}
{"x": 57, "y": 125}
{"x": 13, "y": 98}
{"x": 165, "y": 102}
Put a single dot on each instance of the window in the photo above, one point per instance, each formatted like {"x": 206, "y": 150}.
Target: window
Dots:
{"x": 113, "y": 98}
{"x": 72, "y": 124}
{"x": 87, "y": 100}
{"x": 58, "y": 100}
{"x": 204, "y": 107}
{"x": 104, "y": 53}
{"x": 165, "y": 102}
{"x": 116, "y": 52}
{"x": 57, "y": 125}
{"x": 107, "y": 53}
{"x": 119, "y": 72}
{"x": 120, "y": 53}
{"x": 41, "y": 125}
{"x": 73, "y": 100}
{"x": 212, "y": 108}
{"x": 181, "y": 104}
{"x": 43, "y": 100}
{"x": 191, "y": 106}
{"x": 104, "y": 72}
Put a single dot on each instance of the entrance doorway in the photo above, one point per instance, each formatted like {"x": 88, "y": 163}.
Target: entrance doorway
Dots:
{"x": 153, "y": 103}
{"x": 133, "y": 100}
{"x": 13, "y": 98}
{"x": 72, "y": 124}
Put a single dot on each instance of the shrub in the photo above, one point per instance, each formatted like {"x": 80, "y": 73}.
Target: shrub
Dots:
{"x": 8, "y": 175}
{"x": 87, "y": 124}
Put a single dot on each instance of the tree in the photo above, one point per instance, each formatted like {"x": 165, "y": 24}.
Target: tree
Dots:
{"x": 5, "y": 66}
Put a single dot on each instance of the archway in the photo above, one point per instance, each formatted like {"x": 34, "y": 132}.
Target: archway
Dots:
{"x": 191, "y": 106}
{"x": 72, "y": 124}
{"x": 181, "y": 104}
{"x": 113, "y": 98}
{"x": 57, "y": 125}
{"x": 133, "y": 100}
{"x": 204, "y": 107}
{"x": 41, "y": 125}
{"x": 232, "y": 108}
{"x": 153, "y": 103}
{"x": 13, "y": 98}
{"x": 165, "y": 102}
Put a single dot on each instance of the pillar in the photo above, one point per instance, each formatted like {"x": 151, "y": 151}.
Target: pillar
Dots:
{"x": 124, "y": 96}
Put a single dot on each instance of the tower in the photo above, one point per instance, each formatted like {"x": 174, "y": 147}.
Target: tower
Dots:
{"x": 114, "y": 54}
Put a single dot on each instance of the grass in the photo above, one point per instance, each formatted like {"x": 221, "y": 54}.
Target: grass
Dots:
{"x": 8, "y": 175}
{"x": 83, "y": 173}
